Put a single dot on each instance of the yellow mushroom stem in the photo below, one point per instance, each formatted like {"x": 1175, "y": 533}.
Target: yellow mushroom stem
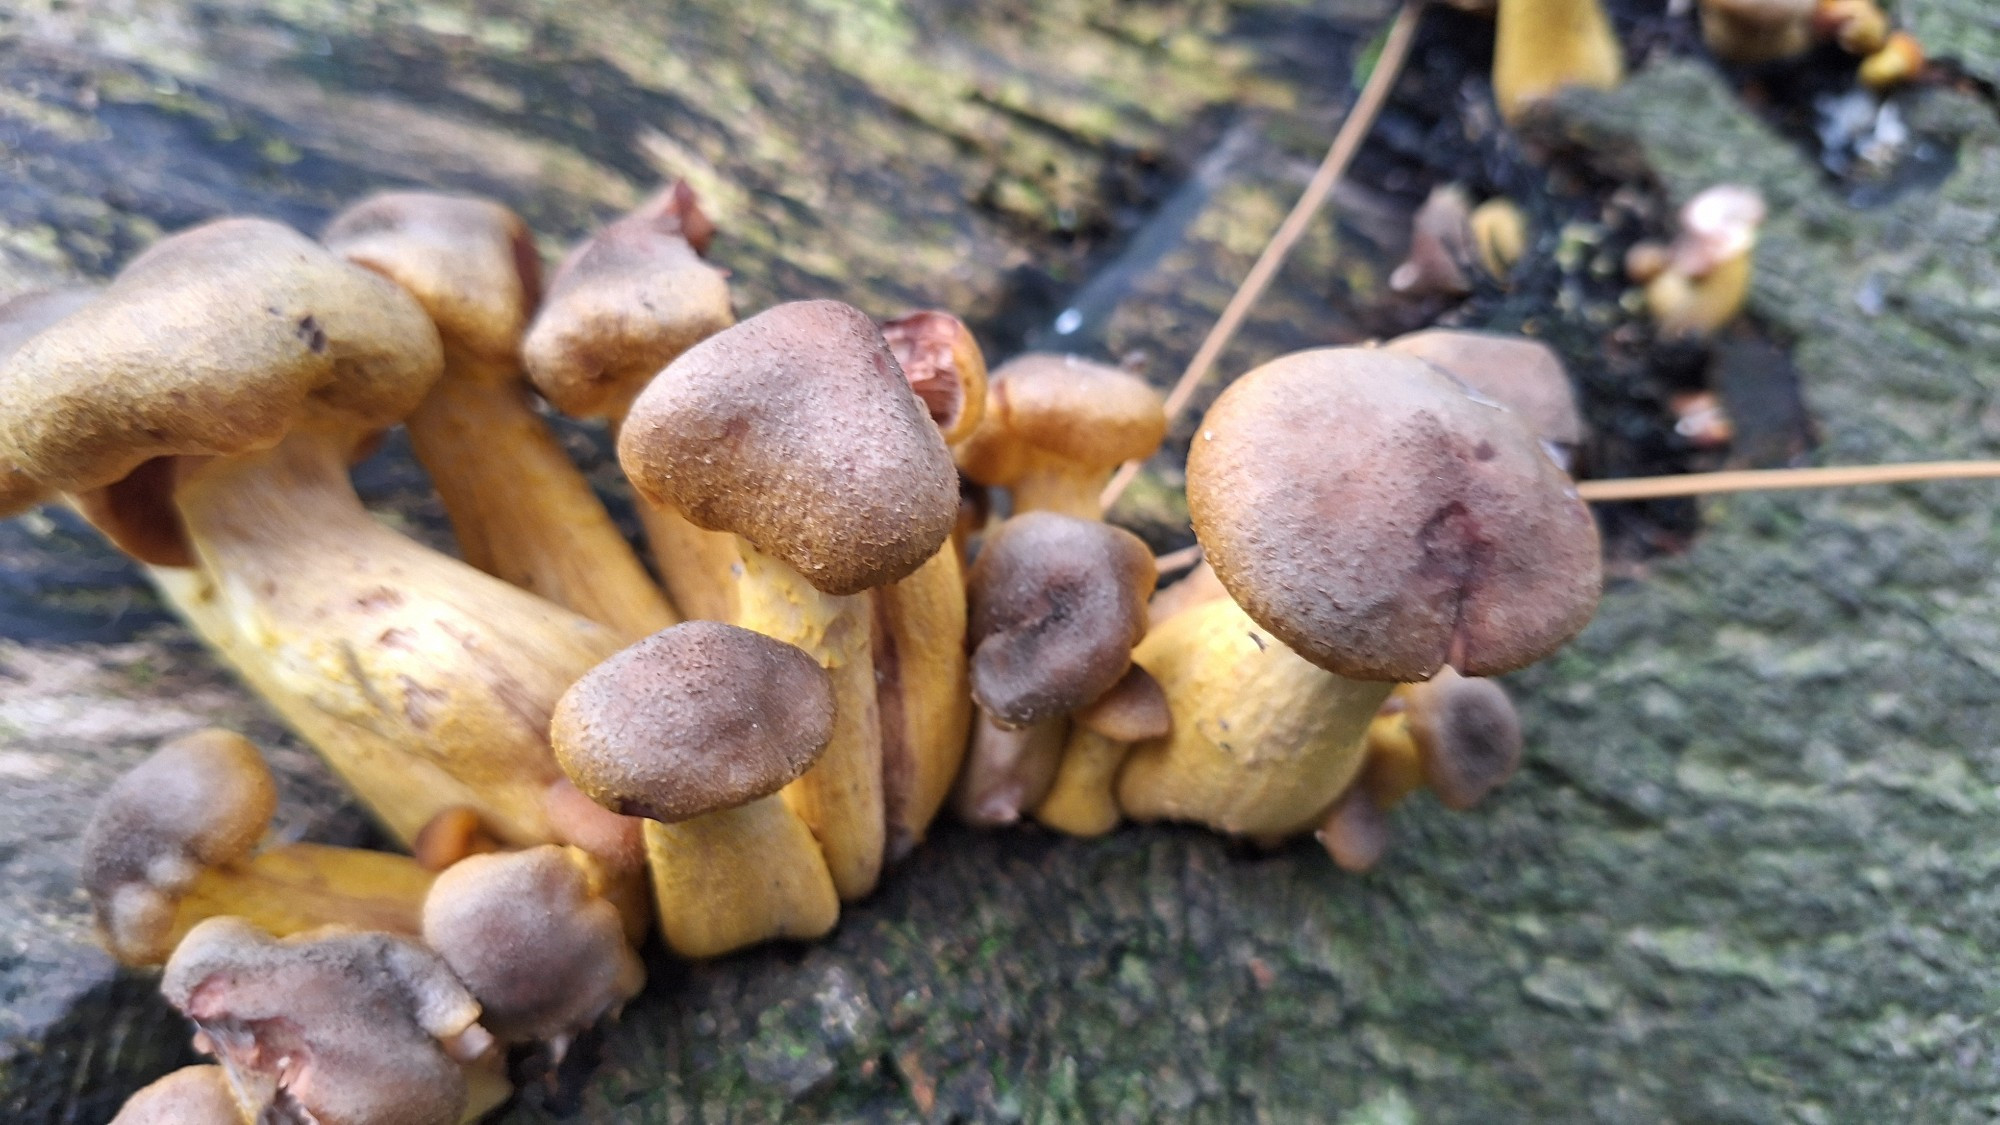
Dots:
{"x": 918, "y": 646}
{"x": 293, "y": 888}
{"x": 1262, "y": 740}
{"x": 425, "y": 683}
{"x": 697, "y": 565}
{"x": 733, "y": 878}
{"x": 840, "y": 797}
{"x": 1059, "y": 485}
{"x": 1081, "y": 800}
{"x": 520, "y": 509}
{"x": 1542, "y": 46}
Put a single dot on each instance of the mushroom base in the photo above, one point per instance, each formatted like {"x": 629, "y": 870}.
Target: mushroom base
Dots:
{"x": 918, "y": 646}
{"x": 731, "y": 879}
{"x": 1082, "y": 801}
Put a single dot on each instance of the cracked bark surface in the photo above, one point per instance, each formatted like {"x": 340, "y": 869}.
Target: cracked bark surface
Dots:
{"x": 1747, "y": 873}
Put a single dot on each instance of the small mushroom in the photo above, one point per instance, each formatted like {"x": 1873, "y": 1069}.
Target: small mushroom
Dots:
{"x": 1757, "y": 31}
{"x": 1901, "y": 59}
{"x": 336, "y": 1027}
{"x": 541, "y": 951}
{"x": 1542, "y": 46}
{"x": 1499, "y": 235}
{"x": 1441, "y": 246}
{"x": 620, "y": 308}
{"x": 1707, "y": 274}
{"x": 796, "y": 432}
{"x": 1372, "y": 522}
{"x": 1523, "y": 375}
{"x": 1055, "y": 429}
{"x": 1082, "y": 800}
{"x": 192, "y": 1095}
{"x": 174, "y": 841}
{"x": 1056, "y": 604}
{"x": 697, "y": 728}
{"x": 520, "y": 509}
{"x": 1859, "y": 26}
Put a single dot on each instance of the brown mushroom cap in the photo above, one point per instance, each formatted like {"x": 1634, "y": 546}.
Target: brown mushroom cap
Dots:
{"x": 796, "y": 430}
{"x": 217, "y": 340}
{"x": 470, "y": 263}
{"x": 944, "y": 367}
{"x": 545, "y": 957}
{"x": 1134, "y": 710}
{"x": 1090, "y": 413}
{"x": 1523, "y": 375}
{"x": 624, "y": 304}
{"x": 21, "y": 318}
{"x": 192, "y": 1095}
{"x": 695, "y": 718}
{"x": 1054, "y": 606}
{"x": 1467, "y": 734}
{"x": 1382, "y": 522}
{"x": 340, "y": 1025}
{"x": 199, "y": 801}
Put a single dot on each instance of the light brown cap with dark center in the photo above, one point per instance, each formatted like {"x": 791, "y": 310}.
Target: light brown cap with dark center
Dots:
{"x": 624, "y": 304}
{"x": 696, "y": 718}
{"x": 1055, "y": 605}
{"x": 470, "y": 263}
{"x": 1525, "y": 376}
{"x": 1381, "y": 522}
{"x": 200, "y": 801}
{"x": 217, "y": 340}
{"x": 944, "y": 366}
{"x": 796, "y": 430}
{"x": 1091, "y": 413}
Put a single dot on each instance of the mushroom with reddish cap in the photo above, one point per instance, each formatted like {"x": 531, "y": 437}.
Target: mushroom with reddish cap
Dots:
{"x": 542, "y": 952}
{"x": 174, "y": 841}
{"x": 1543, "y": 46}
{"x": 696, "y": 729}
{"x": 1082, "y": 801}
{"x": 1056, "y": 427}
{"x": 192, "y": 1095}
{"x": 519, "y": 508}
{"x": 337, "y": 1027}
{"x": 1456, "y": 734}
{"x": 796, "y": 432}
{"x": 1374, "y": 522}
{"x": 621, "y": 306}
{"x": 1525, "y": 376}
{"x": 203, "y": 412}
{"x": 1056, "y": 605}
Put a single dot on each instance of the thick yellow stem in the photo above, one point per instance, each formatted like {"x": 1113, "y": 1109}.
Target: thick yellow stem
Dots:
{"x": 926, "y": 705}
{"x": 697, "y": 565}
{"x": 1053, "y": 484}
{"x": 1262, "y": 741}
{"x": 522, "y": 511}
{"x": 1081, "y": 802}
{"x": 1542, "y": 46}
{"x": 298, "y": 887}
{"x": 738, "y": 877}
{"x": 840, "y": 797}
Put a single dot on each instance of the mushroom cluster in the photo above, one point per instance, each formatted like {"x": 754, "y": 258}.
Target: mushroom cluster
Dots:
{"x": 844, "y": 638}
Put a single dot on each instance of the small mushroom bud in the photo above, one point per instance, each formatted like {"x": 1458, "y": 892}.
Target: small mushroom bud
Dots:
{"x": 1542, "y": 46}
{"x": 1757, "y": 31}
{"x": 1859, "y": 26}
{"x": 1707, "y": 278}
{"x": 544, "y": 955}
{"x": 1441, "y": 247}
{"x": 697, "y": 728}
{"x": 1500, "y": 235}
{"x": 1056, "y": 427}
{"x": 192, "y": 1095}
{"x": 1901, "y": 59}
{"x": 341, "y": 1028}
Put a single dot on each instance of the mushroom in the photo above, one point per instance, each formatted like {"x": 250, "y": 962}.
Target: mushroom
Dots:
{"x": 1499, "y": 236}
{"x": 1372, "y": 522}
{"x": 696, "y": 728}
{"x": 619, "y": 308}
{"x": 1859, "y": 26}
{"x": 541, "y": 951}
{"x": 1458, "y": 735}
{"x": 796, "y": 432}
{"x": 1523, "y": 375}
{"x": 520, "y": 509}
{"x": 1081, "y": 800}
{"x": 1706, "y": 278}
{"x": 1056, "y": 604}
{"x": 203, "y": 412}
{"x": 1757, "y": 31}
{"x": 1056, "y": 427}
{"x": 174, "y": 841}
{"x": 21, "y": 317}
{"x": 1542, "y": 46}
{"x": 1440, "y": 246}
{"x": 335, "y": 1027}
{"x": 192, "y": 1095}
{"x": 1900, "y": 59}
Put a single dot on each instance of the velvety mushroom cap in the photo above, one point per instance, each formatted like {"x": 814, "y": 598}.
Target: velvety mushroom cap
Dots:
{"x": 545, "y": 957}
{"x": 796, "y": 430}
{"x": 695, "y": 718}
{"x": 1054, "y": 606}
{"x": 1382, "y": 522}
{"x": 1469, "y": 736}
{"x": 944, "y": 366}
{"x": 199, "y": 801}
{"x": 470, "y": 263}
{"x": 1523, "y": 375}
{"x": 192, "y": 1095}
{"x": 624, "y": 304}
{"x": 21, "y": 318}
{"x": 217, "y": 340}
{"x": 1134, "y": 710}
{"x": 1091, "y": 413}
{"x": 344, "y": 1026}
